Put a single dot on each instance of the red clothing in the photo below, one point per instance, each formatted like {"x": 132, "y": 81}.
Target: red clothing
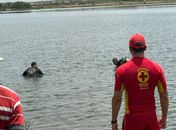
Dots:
{"x": 141, "y": 121}
{"x": 11, "y": 113}
{"x": 139, "y": 77}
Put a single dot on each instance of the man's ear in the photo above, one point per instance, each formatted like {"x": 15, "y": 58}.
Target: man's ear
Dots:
{"x": 130, "y": 49}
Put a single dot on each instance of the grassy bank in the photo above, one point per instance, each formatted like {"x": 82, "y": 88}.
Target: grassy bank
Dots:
{"x": 26, "y": 7}
{"x": 106, "y": 3}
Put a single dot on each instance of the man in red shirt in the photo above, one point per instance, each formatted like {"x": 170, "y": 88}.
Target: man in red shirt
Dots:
{"x": 11, "y": 113}
{"x": 139, "y": 78}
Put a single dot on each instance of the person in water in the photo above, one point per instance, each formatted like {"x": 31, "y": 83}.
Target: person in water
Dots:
{"x": 139, "y": 78}
{"x": 33, "y": 71}
{"x": 117, "y": 62}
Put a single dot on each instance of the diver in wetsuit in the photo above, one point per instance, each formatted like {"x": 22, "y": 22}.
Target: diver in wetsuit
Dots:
{"x": 33, "y": 71}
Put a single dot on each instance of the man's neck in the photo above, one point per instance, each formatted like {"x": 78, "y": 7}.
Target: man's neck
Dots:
{"x": 137, "y": 54}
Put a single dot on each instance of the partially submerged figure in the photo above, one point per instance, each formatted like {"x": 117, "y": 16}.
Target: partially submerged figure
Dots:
{"x": 33, "y": 71}
{"x": 117, "y": 62}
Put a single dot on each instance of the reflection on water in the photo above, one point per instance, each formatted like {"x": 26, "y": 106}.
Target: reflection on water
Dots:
{"x": 74, "y": 49}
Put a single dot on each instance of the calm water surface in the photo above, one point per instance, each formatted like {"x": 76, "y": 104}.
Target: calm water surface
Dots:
{"x": 74, "y": 49}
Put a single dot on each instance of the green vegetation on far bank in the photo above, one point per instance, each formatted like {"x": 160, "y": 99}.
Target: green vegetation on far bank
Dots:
{"x": 42, "y": 4}
{"x": 14, "y": 6}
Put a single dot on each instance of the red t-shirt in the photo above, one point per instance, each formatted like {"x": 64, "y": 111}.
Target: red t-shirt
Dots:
{"x": 11, "y": 113}
{"x": 139, "y": 77}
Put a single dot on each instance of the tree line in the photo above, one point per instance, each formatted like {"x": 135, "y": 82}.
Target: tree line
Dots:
{"x": 50, "y": 4}
{"x": 14, "y": 6}
{"x": 68, "y": 3}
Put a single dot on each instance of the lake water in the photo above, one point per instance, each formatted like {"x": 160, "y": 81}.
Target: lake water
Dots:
{"x": 74, "y": 49}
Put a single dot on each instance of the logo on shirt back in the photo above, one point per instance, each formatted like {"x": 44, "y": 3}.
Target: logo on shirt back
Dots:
{"x": 143, "y": 77}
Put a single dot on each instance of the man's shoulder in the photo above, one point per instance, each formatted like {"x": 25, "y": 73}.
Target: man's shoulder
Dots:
{"x": 153, "y": 62}
{"x": 123, "y": 67}
{"x": 30, "y": 68}
{"x": 155, "y": 66}
{"x": 8, "y": 93}
{"x": 128, "y": 62}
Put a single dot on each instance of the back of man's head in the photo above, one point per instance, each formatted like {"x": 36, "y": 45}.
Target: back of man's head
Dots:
{"x": 33, "y": 63}
{"x": 137, "y": 43}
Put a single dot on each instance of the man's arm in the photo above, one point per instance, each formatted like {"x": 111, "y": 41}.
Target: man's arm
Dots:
{"x": 164, "y": 101}
{"x": 25, "y": 73}
{"x": 16, "y": 121}
{"x": 116, "y": 104}
{"x": 39, "y": 72}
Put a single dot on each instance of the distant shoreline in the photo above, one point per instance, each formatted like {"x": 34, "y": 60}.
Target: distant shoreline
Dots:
{"x": 98, "y": 6}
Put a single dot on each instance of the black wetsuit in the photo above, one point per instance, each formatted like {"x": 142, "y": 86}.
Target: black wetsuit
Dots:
{"x": 31, "y": 72}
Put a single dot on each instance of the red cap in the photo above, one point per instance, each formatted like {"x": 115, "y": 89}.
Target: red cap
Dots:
{"x": 137, "y": 41}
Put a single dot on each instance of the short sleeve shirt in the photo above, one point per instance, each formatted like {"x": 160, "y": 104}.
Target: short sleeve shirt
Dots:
{"x": 139, "y": 77}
